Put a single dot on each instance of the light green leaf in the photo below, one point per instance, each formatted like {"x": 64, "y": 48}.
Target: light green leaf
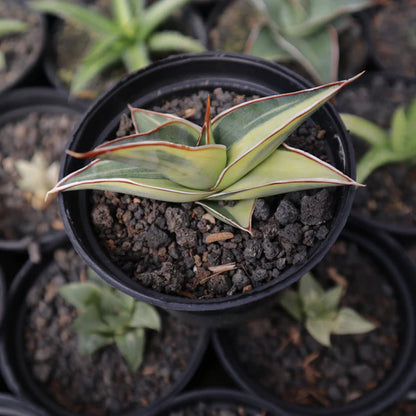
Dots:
{"x": 90, "y": 343}
{"x": 350, "y": 322}
{"x": 136, "y": 56}
{"x": 310, "y": 291}
{"x": 114, "y": 302}
{"x": 364, "y": 129}
{"x": 253, "y": 130}
{"x": 131, "y": 345}
{"x": 284, "y": 171}
{"x": 399, "y": 130}
{"x": 112, "y": 176}
{"x": 167, "y": 41}
{"x": 238, "y": 215}
{"x": 123, "y": 13}
{"x": 320, "y": 329}
{"x": 197, "y": 167}
{"x": 292, "y": 303}
{"x": 332, "y": 297}
{"x": 11, "y": 26}
{"x": 90, "y": 321}
{"x": 80, "y": 295}
{"x": 411, "y": 121}
{"x": 2, "y": 61}
{"x": 145, "y": 316}
{"x": 92, "y": 21}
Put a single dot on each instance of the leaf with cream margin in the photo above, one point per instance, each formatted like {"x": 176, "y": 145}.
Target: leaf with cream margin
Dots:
{"x": 253, "y": 130}
{"x": 193, "y": 167}
{"x": 238, "y": 215}
{"x": 107, "y": 175}
{"x": 286, "y": 170}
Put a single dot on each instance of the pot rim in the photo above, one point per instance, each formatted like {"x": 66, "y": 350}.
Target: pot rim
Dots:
{"x": 194, "y": 62}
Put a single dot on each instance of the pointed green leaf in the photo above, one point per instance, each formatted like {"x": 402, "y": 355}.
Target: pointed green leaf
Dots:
{"x": 123, "y": 12}
{"x": 197, "y": 167}
{"x": 80, "y": 295}
{"x": 167, "y": 41}
{"x": 398, "y": 130}
{"x": 2, "y": 61}
{"x": 238, "y": 215}
{"x": 90, "y": 343}
{"x": 253, "y": 130}
{"x": 206, "y": 136}
{"x": 364, "y": 129}
{"x": 411, "y": 119}
{"x": 136, "y": 56}
{"x": 112, "y": 176}
{"x": 145, "y": 316}
{"x": 286, "y": 170}
{"x": 310, "y": 291}
{"x": 92, "y": 21}
{"x": 90, "y": 321}
{"x": 291, "y": 302}
{"x": 350, "y": 322}
{"x": 320, "y": 329}
{"x": 332, "y": 297}
{"x": 11, "y": 26}
{"x": 131, "y": 346}
{"x": 113, "y": 302}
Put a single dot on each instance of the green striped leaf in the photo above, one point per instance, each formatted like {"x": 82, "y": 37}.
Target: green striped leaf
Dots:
{"x": 286, "y": 170}
{"x": 238, "y": 215}
{"x": 252, "y": 131}
{"x": 107, "y": 175}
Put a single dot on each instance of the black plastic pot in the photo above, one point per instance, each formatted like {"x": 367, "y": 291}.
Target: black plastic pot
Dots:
{"x": 13, "y": 406}
{"x": 402, "y": 276}
{"x": 13, "y": 365}
{"x": 191, "y": 22}
{"x": 15, "y": 105}
{"x": 2, "y": 295}
{"x": 177, "y": 76}
{"x": 223, "y": 398}
{"x": 32, "y": 72}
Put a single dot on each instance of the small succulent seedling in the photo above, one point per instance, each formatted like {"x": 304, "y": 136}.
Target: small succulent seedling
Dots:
{"x": 36, "y": 177}
{"x": 303, "y": 31}
{"x": 129, "y": 37}
{"x": 235, "y": 157}
{"x": 319, "y": 310}
{"x": 9, "y": 27}
{"x": 386, "y": 147}
{"x": 107, "y": 316}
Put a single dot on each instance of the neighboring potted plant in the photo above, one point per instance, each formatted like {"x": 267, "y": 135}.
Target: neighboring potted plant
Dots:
{"x": 161, "y": 84}
{"x": 109, "y": 354}
{"x": 301, "y": 33}
{"x": 35, "y": 124}
{"x": 278, "y": 359}
{"x": 22, "y": 40}
{"x": 208, "y": 402}
{"x": 384, "y": 146}
{"x": 90, "y": 50}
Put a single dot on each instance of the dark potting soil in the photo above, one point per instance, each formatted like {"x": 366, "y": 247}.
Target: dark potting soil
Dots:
{"x": 390, "y": 192}
{"x": 279, "y": 353}
{"x": 206, "y": 409}
{"x": 402, "y": 408}
{"x": 393, "y": 36}
{"x": 100, "y": 384}
{"x": 164, "y": 246}
{"x": 21, "y": 49}
{"x": 44, "y": 133}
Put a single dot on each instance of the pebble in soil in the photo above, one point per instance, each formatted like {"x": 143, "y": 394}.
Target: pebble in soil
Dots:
{"x": 279, "y": 353}
{"x": 99, "y": 384}
{"x": 170, "y": 247}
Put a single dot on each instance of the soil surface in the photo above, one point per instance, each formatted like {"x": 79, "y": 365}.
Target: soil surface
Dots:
{"x": 204, "y": 409}
{"x": 393, "y": 36}
{"x": 42, "y": 133}
{"x": 390, "y": 192}
{"x": 403, "y": 408}
{"x": 100, "y": 384}
{"x": 20, "y": 50}
{"x": 171, "y": 247}
{"x": 279, "y": 353}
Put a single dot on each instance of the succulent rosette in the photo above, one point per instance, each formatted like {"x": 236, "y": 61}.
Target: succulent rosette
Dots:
{"x": 238, "y": 156}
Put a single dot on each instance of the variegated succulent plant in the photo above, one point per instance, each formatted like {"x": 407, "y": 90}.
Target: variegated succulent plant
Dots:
{"x": 235, "y": 157}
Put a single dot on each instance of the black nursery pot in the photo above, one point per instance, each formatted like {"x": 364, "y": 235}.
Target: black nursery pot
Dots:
{"x": 178, "y": 76}
{"x": 223, "y": 399}
{"x": 15, "y": 369}
{"x": 2, "y": 294}
{"x": 13, "y": 406}
{"x": 402, "y": 276}
{"x": 15, "y": 105}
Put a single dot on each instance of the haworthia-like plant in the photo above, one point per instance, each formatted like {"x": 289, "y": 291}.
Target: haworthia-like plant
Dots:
{"x": 396, "y": 146}
{"x": 129, "y": 37}
{"x": 107, "y": 316}
{"x": 303, "y": 31}
{"x": 238, "y": 156}
{"x": 9, "y": 27}
{"x": 319, "y": 310}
